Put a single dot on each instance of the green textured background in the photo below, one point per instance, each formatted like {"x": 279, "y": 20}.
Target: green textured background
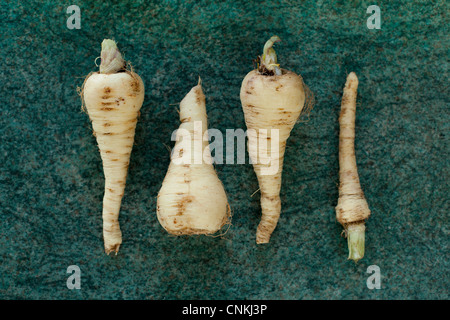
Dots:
{"x": 51, "y": 180}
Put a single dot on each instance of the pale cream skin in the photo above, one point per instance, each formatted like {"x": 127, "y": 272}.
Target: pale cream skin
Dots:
{"x": 270, "y": 102}
{"x": 352, "y": 209}
{"x": 113, "y": 102}
{"x": 192, "y": 199}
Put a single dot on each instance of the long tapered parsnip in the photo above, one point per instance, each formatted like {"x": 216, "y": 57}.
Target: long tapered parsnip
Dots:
{"x": 352, "y": 209}
{"x": 113, "y": 97}
{"x": 192, "y": 199}
{"x": 272, "y": 99}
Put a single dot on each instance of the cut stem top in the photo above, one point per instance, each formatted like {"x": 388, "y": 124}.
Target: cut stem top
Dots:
{"x": 268, "y": 61}
{"x": 112, "y": 60}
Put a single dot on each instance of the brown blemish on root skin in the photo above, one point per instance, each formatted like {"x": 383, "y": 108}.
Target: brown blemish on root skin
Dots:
{"x": 200, "y": 97}
{"x": 270, "y": 198}
{"x": 283, "y": 123}
{"x": 135, "y": 86}
{"x": 188, "y": 231}
{"x": 181, "y": 205}
{"x": 107, "y": 90}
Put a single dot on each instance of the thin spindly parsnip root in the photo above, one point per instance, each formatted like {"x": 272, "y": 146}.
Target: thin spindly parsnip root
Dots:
{"x": 113, "y": 97}
{"x": 272, "y": 100}
{"x": 352, "y": 209}
{"x": 192, "y": 199}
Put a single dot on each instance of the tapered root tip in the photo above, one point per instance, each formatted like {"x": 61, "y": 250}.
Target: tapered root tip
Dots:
{"x": 113, "y": 248}
{"x": 356, "y": 241}
{"x": 262, "y": 240}
{"x": 352, "y": 81}
{"x": 352, "y": 76}
{"x": 262, "y": 236}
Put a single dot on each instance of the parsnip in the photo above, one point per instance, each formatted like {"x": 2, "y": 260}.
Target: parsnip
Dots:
{"x": 113, "y": 98}
{"x": 192, "y": 199}
{"x": 352, "y": 209}
{"x": 272, "y": 100}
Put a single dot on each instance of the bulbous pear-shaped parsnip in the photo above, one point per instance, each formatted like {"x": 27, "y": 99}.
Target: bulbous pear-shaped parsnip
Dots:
{"x": 272, "y": 99}
{"x": 113, "y": 100}
{"x": 192, "y": 199}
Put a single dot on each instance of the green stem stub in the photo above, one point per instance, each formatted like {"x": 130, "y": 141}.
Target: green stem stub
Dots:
{"x": 269, "y": 65}
{"x": 356, "y": 241}
{"x": 112, "y": 60}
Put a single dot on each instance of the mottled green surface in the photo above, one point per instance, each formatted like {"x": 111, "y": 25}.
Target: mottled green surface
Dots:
{"x": 51, "y": 180}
